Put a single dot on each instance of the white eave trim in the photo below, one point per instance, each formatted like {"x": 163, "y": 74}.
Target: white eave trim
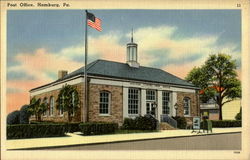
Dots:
{"x": 115, "y": 82}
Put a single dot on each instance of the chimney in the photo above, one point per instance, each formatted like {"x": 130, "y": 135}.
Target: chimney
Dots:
{"x": 62, "y": 73}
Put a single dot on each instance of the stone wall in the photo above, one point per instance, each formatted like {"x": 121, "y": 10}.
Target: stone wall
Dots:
{"x": 194, "y": 105}
{"x": 116, "y": 111}
{"x": 56, "y": 117}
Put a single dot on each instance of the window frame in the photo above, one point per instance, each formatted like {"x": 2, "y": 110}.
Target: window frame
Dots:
{"x": 168, "y": 103}
{"x": 45, "y": 101}
{"x": 105, "y": 103}
{"x": 132, "y": 98}
{"x": 61, "y": 111}
{"x": 188, "y": 100}
{"x": 51, "y": 106}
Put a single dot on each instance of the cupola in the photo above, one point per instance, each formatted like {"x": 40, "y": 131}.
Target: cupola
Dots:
{"x": 132, "y": 57}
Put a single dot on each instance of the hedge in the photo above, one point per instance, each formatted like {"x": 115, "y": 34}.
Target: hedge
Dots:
{"x": 147, "y": 122}
{"x": 70, "y": 127}
{"x": 35, "y": 130}
{"x": 73, "y": 127}
{"x": 97, "y": 128}
{"x": 181, "y": 122}
{"x": 224, "y": 123}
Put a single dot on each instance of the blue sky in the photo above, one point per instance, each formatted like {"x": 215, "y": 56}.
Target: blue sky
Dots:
{"x": 40, "y": 42}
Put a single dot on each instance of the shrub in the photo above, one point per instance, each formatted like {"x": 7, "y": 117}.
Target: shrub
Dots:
{"x": 129, "y": 124}
{"x": 24, "y": 114}
{"x": 181, "y": 122}
{"x": 13, "y": 117}
{"x": 35, "y": 130}
{"x": 97, "y": 128}
{"x": 147, "y": 122}
{"x": 224, "y": 123}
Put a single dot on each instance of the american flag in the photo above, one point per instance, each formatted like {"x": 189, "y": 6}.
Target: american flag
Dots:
{"x": 94, "y": 22}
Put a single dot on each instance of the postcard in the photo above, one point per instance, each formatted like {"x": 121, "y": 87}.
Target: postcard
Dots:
{"x": 124, "y": 79}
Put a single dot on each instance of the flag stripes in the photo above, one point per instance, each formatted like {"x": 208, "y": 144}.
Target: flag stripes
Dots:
{"x": 95, "y": 24}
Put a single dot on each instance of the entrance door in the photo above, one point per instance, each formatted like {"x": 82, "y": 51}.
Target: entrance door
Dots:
{"x": 150, "y": 108}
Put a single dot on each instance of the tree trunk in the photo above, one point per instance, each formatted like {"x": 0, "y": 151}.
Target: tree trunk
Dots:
{"x": 39, "y": 118}
{"x": 220, "y": 114}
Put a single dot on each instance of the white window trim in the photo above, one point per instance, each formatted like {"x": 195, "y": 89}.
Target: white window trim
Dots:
{"x": 109, "y": 104}
{"x": 45, "y": 100}
{"x": 139, "y": 103}
{"x": 189, "y": 102}
{"x": 51, "y": 115}
{"x": 169, "y": 103}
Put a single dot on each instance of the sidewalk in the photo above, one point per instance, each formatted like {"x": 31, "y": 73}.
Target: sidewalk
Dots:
{"x": 76, "y": 139}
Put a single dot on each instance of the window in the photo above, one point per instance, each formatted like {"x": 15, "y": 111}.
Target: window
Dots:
{"x": 104, "y": 102}
{"x": 186, "y": 106}
{"x": 73, "y": 99}
{"x": 165, "y": 102}
{"x": 61, "y": 107}
{"x": 45, "y": 101}
{"x": 133, "y": 101}
{"x": 51, "y": 107}
{"x": 150, "y": 95}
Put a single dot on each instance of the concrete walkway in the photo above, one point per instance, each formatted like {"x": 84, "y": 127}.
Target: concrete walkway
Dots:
{"x": 77, "y": 139}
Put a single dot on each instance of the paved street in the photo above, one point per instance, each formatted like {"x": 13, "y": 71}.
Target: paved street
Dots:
{"x": 231, "y": 141}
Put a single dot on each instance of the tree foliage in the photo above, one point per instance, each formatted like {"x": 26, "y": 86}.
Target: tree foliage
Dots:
{"x": 13, "y": 117}
{"x": 37, "y": 108}
{"x": 217, "y": 79}
{"x": 25, "y": 114}
{"x": 68, "y": 100}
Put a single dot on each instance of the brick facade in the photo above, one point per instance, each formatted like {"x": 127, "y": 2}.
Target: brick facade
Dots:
{"x": 94, "y": 90}
{"x": 116, "y": 105}
{"x": 56, "y": 117}
{"x": 194, "y": 105}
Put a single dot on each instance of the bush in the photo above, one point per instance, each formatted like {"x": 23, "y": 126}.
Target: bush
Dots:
{"x": 181, "y": 122}
{"x": 24, "y": 115}
{"x": 35, "y": 130}
{"x": 98, "y": 128}
{"x": 13, "y": 117}
{"x": 224, "y": 123}
{"x": 147, "y": 122}
{"x": 129, "y": 124}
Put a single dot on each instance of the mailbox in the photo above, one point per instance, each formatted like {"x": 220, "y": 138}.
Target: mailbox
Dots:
{"x": 207, "y": 126}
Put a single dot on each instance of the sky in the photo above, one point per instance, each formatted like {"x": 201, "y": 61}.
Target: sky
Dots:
{"x": 41, "y": 42}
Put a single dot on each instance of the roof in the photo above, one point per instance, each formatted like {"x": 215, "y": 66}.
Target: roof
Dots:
{"x": 104, "y": 68}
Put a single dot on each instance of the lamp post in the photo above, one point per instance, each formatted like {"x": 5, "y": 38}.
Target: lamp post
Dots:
{"x": 176, "y": 107}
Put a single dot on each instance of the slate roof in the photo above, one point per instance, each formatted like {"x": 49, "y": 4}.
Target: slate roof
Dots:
{"x": 104, "y": 68}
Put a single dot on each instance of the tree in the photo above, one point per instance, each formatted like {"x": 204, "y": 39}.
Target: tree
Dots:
{"x": 37, "y": 108}
{"x": 68, "y": 100}
{"x": 13, "y": 117}
{"x": 25, "y": 114}
{"x": 217, "y": 79}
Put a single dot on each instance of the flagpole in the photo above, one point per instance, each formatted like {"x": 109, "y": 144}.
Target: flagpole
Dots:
{"x": 85, "y": 111}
